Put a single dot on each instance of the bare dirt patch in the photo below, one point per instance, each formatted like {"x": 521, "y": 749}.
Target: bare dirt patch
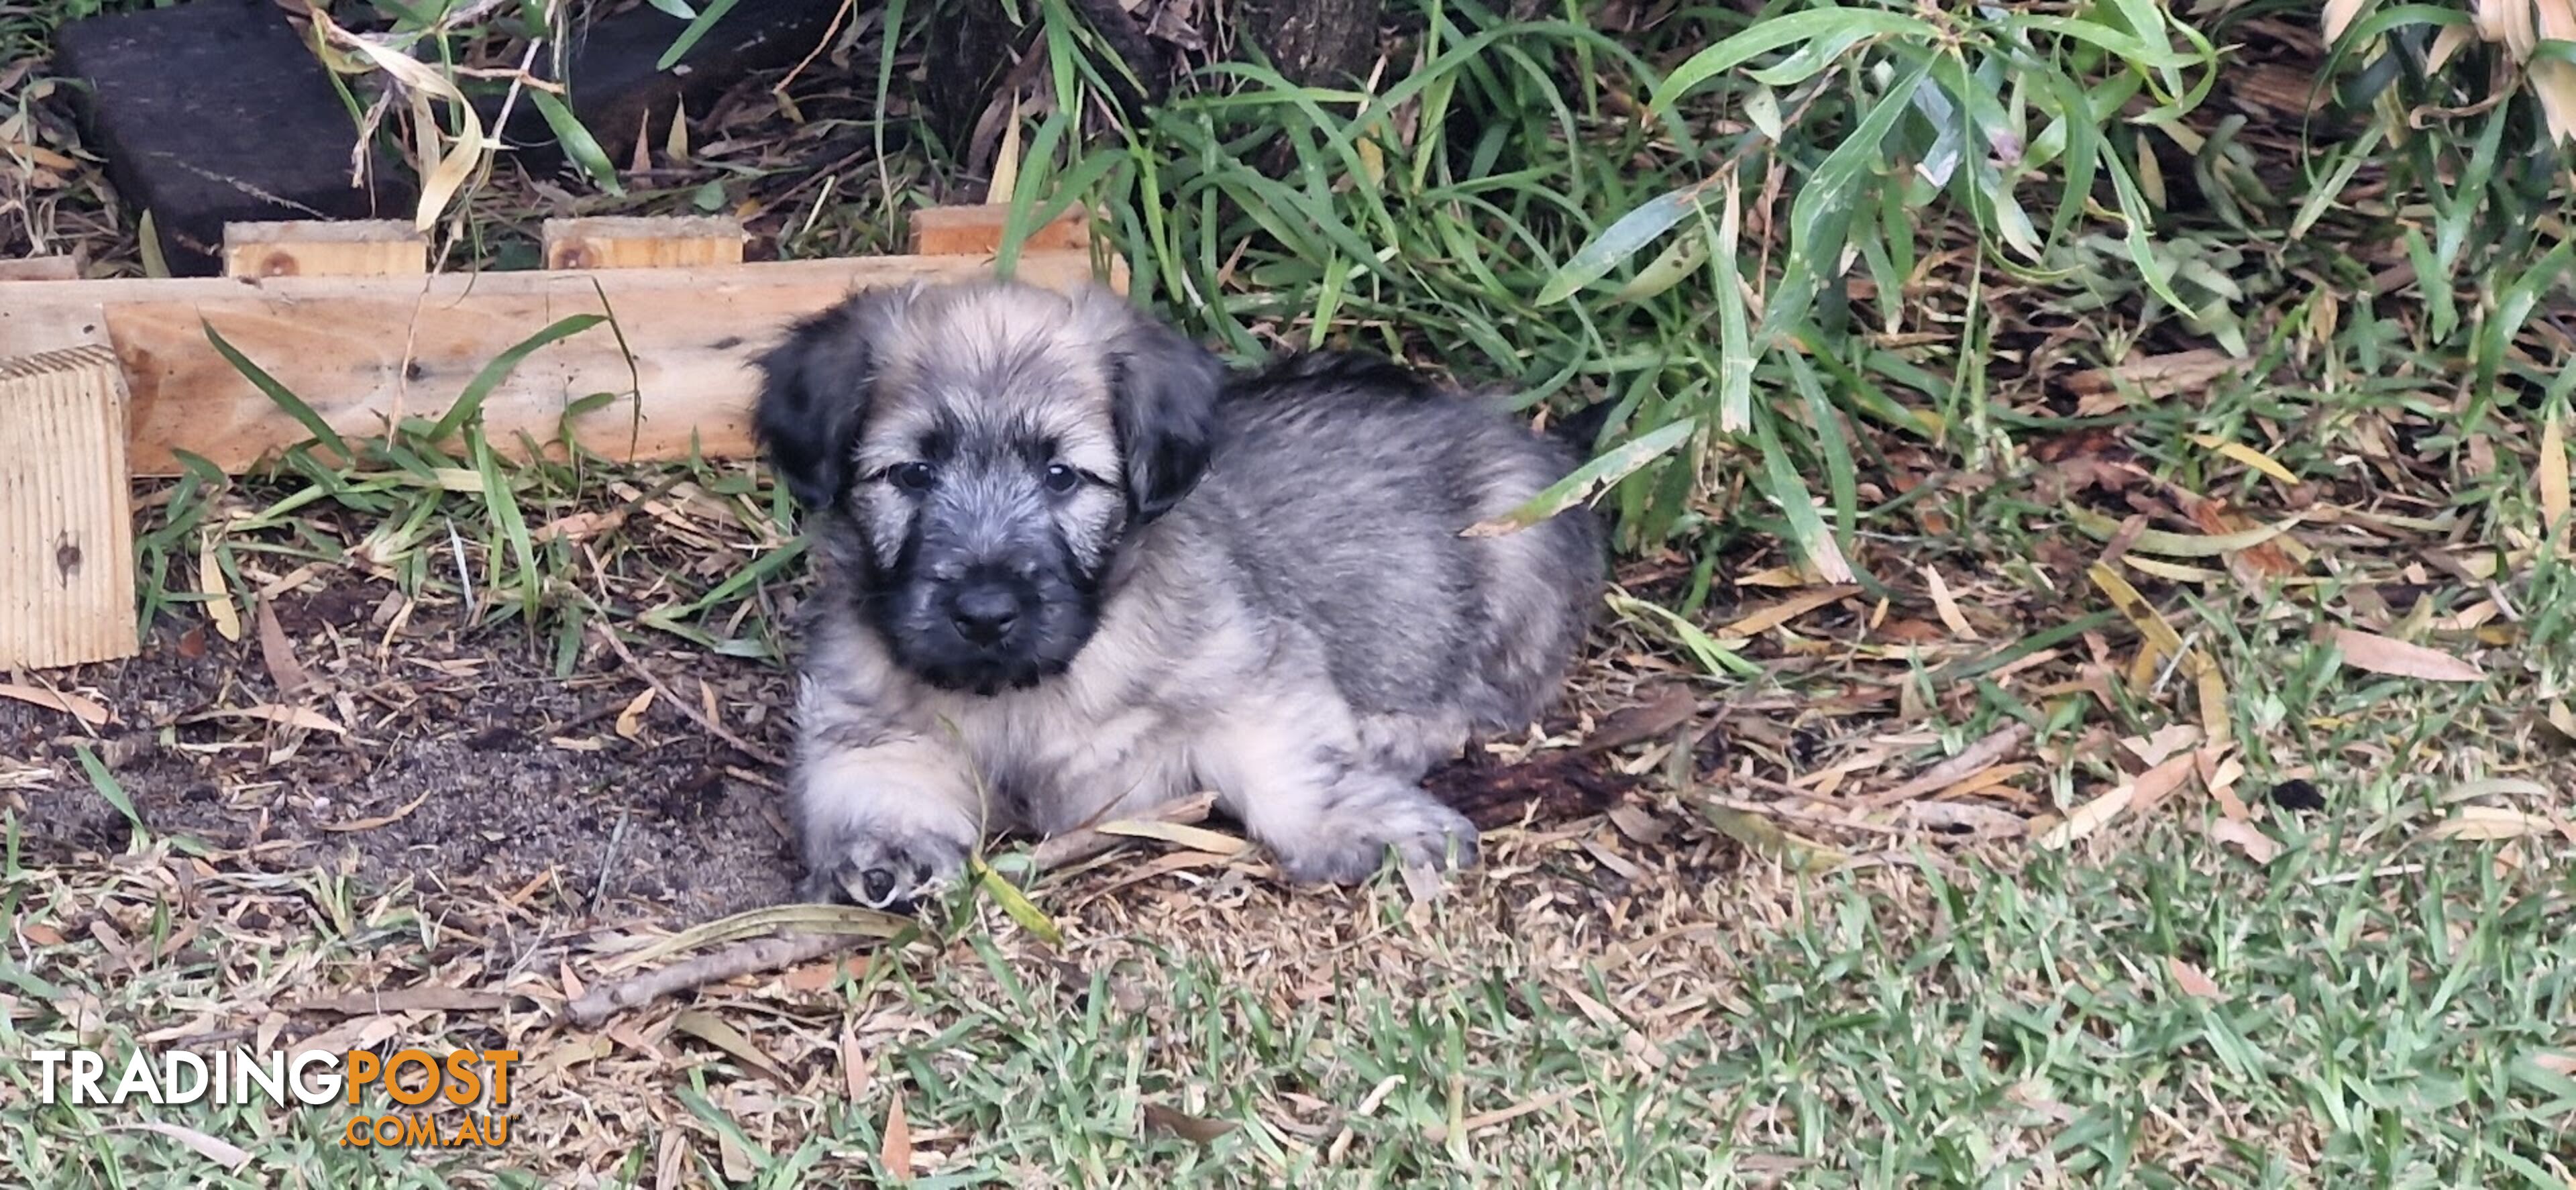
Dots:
{"x": 463, "y": 761}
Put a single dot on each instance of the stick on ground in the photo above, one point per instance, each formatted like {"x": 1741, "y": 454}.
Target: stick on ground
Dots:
{"x": 786, "y": 950}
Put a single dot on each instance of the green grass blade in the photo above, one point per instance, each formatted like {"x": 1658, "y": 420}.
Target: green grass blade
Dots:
{"x": 470, "y": 402}
{"x": 279, "y": 393}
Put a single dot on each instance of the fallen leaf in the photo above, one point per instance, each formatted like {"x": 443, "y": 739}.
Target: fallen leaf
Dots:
{"x": 2396, "y": 658}
{"x": 2245, "y": 837}
{"x": 2560, "y": 720}
{"x": 2490, "y": 824}
{"x": 2193, "y": 981}
{"x": 219, "y": 600}
{"x": 630, "y": 722}
{"x": 54, "y": 700}
{"x": 368, "y": 824}
{"x": 2247, "y": 455}
{"x": 1947, "y": 606}
{"x": 712, "y": 1029}
{"x": 854, "y": 1066}
{"x": 2087, "y": 818}
{"x": 2153, "y": 749}
{"x": 1773, "y": 615}
{"x": 427, "y": 997}
{"x": 222, "y": 1152}
{"x": 896, "y": 1151}
{"x": 1994, "y": 747}
{"x": 283, "y": 716}
{"x": 1672, "y": 706}
{"x": 2554, "y": 496}
{"x": 1180, "y": 834}
{"x": 1184, "y": 1125}
{"x": 277, "y": 653}
{"x": 2153, "y": 786}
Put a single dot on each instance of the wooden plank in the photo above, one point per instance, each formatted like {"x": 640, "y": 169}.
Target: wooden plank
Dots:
{"x": 365, "y": 351}
{"x": 325, "y": 248}
{"x": 40, "y": 268}
{"x": 977, "y": 231}
{"x": 643, "y": 242}
{"x": 66, "y": 524}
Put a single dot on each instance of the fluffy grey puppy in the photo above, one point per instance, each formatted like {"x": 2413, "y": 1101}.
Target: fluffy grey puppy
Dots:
{"x": 1070, "y": 567}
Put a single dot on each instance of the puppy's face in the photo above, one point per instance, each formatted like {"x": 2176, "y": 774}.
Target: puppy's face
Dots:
{"x": 975, "y": 454}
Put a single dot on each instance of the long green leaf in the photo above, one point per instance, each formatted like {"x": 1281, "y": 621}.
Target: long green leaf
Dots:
{"x": 1613, "y": 466}
{"x": 470, "y": 402}
{"x": 578, "y": 144}
{"x": 1847, "y": 25}
{"x": 283, "y": 397}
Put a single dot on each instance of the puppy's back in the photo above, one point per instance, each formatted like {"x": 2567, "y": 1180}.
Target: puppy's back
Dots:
{"x": 1347, "y": 480}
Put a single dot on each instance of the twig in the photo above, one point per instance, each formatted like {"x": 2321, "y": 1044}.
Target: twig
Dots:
{"x": 748, "y": 958}
{"x": 787, "y": 950}
{"x": 1976, "y": 756}
{"x": 690, "y": 709}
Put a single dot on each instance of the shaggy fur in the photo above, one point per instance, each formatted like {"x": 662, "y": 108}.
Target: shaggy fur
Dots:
{"x": 1071, "y": 567}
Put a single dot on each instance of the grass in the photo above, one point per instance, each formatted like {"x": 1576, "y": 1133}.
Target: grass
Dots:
{"x": 2262, "y": 904}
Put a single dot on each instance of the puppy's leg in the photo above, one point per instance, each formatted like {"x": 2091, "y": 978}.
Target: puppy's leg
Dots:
{"x": 1302, "y": 785}
{"x": 884, "y": 816}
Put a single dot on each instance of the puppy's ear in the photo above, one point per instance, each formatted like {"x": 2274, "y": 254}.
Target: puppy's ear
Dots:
{"x": 814, "y": 391}
{"x": 1163, "y": 391}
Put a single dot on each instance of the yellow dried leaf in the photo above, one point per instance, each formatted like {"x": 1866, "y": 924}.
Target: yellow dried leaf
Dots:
{"x": 2399, "y": 659}
{"x": 219, "y": 599}
{"x": 2245, "y": 837}
{"x": 1770, "y": 616}
{"x": 1947, "y": 606}
{"x": 2491, "y": 823}
{"x": 70, "y": 704}
{"x": 895, "y": 1152}
{"x": 2247, "y": 455}
{"x": 2554, "y": 498}
{"x": 2338, "y": 15}
{"x": 1193, "y": 837}
{"x": 2087, "y": 818}
{"x": 630, "y": 722}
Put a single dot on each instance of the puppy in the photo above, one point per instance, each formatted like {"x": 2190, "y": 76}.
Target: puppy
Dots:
{"x": 1069, "y": 567}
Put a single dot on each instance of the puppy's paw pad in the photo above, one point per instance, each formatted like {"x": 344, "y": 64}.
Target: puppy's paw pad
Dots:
{"x": 884, "y": 872}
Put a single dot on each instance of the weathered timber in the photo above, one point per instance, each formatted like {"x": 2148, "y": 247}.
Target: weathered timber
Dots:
{"x": 366, "y": 351}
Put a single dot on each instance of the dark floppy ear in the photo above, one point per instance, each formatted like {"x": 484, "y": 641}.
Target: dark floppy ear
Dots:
{"x": 814, "y": 391}
{"x": 1163, "y": 391}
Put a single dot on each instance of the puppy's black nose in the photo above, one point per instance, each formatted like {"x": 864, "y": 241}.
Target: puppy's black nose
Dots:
{"x": 985, "y": 612}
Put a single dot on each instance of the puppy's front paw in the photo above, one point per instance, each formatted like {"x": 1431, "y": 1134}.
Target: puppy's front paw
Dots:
{"x": 1347, "y": 842}
{"x": 883, "y": 867}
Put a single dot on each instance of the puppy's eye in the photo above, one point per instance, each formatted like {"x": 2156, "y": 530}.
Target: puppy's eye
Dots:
{"x": 912, "y": 477}
{"x": 1061, "y": 479}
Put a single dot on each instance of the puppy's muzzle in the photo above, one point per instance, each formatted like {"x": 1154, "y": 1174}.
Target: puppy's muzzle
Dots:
{"x": 985, "y": 606}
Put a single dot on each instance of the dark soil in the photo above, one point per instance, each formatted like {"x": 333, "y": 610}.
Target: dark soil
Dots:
{"x": 518, "y": 776}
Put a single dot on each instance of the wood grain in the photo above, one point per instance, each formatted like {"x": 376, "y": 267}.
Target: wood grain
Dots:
{"x": 643, "y": 242}
{"x": 366, "y": 351}
{"x": 325, "y": 248}
{"x": 66, "y": 526}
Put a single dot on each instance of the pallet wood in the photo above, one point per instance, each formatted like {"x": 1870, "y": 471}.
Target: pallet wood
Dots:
{"x": 66, "y": 538}
{"x": 977, "y": 230}
{"x": 40, "y": 268}
{"x": 365, "y": 351}
{"x": 621, "y": 242}
{"x": 332, "y": 248}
